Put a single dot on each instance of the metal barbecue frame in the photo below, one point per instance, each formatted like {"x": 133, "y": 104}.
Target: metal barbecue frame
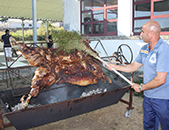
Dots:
{"x": 64, "y": 103}
{"x": 8, "y": 70}
{"x": 118, "y": 60}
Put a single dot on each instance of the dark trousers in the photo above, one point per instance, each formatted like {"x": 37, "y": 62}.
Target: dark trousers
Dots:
{"x": 154, "y": 110}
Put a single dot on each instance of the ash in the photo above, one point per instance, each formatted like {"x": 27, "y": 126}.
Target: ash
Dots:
{"x": 19, "y": 106}
{"x": 84, "y": 94}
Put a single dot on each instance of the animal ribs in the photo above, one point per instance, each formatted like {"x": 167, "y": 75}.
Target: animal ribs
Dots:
{"x": 56, "y": 67}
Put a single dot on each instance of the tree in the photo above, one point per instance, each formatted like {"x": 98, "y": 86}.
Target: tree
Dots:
{"x": 4, "y": 20}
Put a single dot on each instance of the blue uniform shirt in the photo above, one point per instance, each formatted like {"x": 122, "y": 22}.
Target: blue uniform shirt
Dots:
{"x": 5, "y": 38}
{"x": 156, "y": 60}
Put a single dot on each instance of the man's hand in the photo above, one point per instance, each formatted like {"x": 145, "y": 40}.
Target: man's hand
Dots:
{"x": 136, "y": 87}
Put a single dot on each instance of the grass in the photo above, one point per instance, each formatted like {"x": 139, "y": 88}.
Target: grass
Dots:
{"x": 28, "y": 34}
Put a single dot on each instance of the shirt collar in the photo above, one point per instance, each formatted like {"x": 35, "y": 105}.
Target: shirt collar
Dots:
{"x": 156, "y": 46}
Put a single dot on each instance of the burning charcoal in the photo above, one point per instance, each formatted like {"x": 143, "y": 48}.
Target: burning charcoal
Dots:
{"x": 84, "y": 94}
{"x": 19, "y": 106}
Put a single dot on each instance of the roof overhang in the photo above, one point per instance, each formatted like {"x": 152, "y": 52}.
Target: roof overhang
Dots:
{"x": 51, "y": 10}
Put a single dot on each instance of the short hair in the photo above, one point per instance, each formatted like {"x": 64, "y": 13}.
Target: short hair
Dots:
{"x": 6, "y": 30}
{"x": 50, "y": 37}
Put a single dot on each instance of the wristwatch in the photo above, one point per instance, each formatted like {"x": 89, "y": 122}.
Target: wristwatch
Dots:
{"x": 140, "y": 88}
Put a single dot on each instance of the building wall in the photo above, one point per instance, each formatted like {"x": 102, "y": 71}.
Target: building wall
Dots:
{"x": 71, "y": 15}
{"x": 17, "y": 23}
{"x": 124, "y": 18}
{"x": 71, "y": 21}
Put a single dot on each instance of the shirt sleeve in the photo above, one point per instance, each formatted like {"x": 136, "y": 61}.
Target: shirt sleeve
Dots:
{"x": 139, "y": 58}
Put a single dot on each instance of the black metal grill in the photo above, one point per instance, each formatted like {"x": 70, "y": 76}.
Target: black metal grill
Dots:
{"x": 60, "y": 102}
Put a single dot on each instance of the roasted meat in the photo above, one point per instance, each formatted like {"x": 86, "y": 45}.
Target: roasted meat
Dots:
{"x": 57, "y": 67}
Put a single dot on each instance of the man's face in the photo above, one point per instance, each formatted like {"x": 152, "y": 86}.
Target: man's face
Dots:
{"x": 145, "y": 34}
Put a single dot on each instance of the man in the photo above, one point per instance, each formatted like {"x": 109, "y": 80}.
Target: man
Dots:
{"x": 6, "y": 38}
{"x": 50, "y": 41}
{"x": 154, "y": 57}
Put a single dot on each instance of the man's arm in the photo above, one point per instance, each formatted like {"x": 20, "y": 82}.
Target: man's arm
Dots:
{"x": 47, "y": 39}
{"x": 12, "y": 41}
{"x": 126, "y": 68}
{"x": 154, "y": 83}
{"x": 2, "y": 40}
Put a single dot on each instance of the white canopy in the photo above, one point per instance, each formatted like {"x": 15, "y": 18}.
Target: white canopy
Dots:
{"x": 51, "y": 10}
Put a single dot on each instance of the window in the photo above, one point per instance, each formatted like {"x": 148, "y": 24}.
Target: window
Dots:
{"x": 99, "y": 17}
{"x": 146, "y": 10}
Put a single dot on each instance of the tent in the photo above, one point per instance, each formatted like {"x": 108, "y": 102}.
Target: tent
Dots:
{"x": 49, "y": 10}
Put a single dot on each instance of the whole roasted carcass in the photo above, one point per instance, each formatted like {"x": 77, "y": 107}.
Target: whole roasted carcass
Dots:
{"x": 56, "y": 66}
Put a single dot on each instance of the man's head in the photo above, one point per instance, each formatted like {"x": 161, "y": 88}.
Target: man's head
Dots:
{"x": 150, "y": 31}
{"x": 6, "y": 31}
{"x": 50, "y": 37}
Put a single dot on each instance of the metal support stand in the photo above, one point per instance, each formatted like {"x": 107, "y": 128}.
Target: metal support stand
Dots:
{"x": 129, "y": 108}
{"x": 129, "y": 103}
{"x": 2, "y": 125}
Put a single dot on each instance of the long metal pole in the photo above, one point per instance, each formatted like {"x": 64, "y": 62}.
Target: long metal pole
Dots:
{"x": 47, "y": 29}
{"x": 22, "y": 30}
{"x": 34, "y": 21}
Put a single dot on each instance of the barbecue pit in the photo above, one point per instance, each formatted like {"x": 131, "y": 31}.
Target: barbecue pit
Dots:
{"x": 60, "y": 102}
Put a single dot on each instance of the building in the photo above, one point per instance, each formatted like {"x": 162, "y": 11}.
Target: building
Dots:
{"x": 16, "y": 24}
{"x": 115, "y": 22}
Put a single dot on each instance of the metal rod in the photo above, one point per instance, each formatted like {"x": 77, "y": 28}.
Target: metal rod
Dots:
{"x": 96, "y": 45}
{"x": 10, "y": 81}
{"x": 122, "y": 76}
{"x": 1, "y": 120}
{"x": 14, "y": 61}
{"x": 47, "y": 29}
{"x": 101, "y": 45}
{"x": 6, "y": 79}
{"x": 22, "y": 30}
{"x": 8, "y": 125}
{"x": 131, "y": 95}
{"x": 34, "y": 18}
{"x": 20, "y": 76}
{"x": 124, "y": 101}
